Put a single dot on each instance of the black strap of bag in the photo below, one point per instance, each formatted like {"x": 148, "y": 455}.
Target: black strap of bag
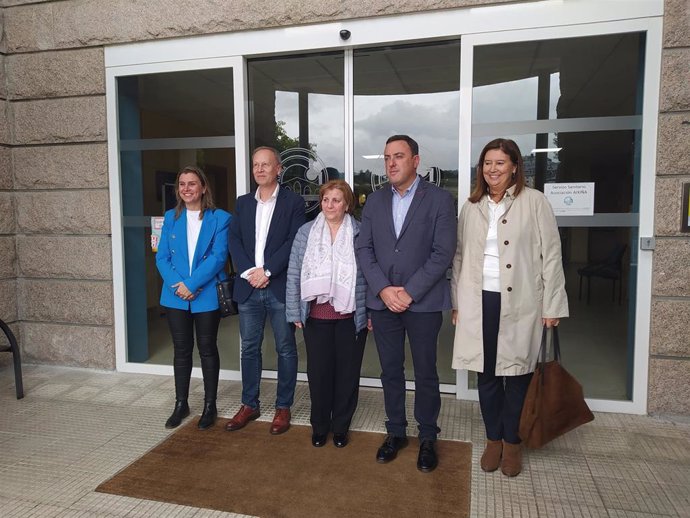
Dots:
{"x": 224, "y": 288}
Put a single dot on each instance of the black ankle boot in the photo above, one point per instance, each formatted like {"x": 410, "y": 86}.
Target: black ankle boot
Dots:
{"x": 180, "y": 411}
{"x": 208, "y": 416}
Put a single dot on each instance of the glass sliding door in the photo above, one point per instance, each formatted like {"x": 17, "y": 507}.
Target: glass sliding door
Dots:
{"x": 165, "y": 122}
{"x": 574, "y": 106}
{"x": 414, "y": 90}
{"x": 297, "y": 106}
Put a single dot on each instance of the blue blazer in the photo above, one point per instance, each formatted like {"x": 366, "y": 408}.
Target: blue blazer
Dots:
{"x": 288, "y": 217}
{"x": 417, "y": 260}
{"x": 210, "y": 256}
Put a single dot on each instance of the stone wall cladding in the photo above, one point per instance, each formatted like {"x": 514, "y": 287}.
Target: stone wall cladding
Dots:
{"x": 675, "y": 80}
{"x": 79, "y": 346}
{"x": 64, "y": 257}
{"x": 669, "y": 390}
{"x": 63, "y": 212}
{"x": 673, "y": 151}
{"x": 3, "y": 40}
{"x": 3, "y": 73}
{"x": 671, "y": 259}
{"x": 6, "y": 180}
{"x": 8, "y": 300}
{"x": 50, "y": 121}
{"x": 56, "y": 74}
{"x": 5, "y": 122}
{"x": 669, "y": 379}
{"x": 8, "y": 258}
{"x": 88, "y": 23}
{"x": 667, "y": 205}
{"x": 676, "y": 23}
{"x": 7, "y": 215}
{"x": 68, "y": 302}
{"x": 79, "y": 166}
{"x": 670, "y": 328}
{"x": 9, "y": 3}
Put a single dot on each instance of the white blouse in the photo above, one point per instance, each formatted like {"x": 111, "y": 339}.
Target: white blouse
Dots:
{"x": 491, "y": 280}
{"x": 193, "y": 230}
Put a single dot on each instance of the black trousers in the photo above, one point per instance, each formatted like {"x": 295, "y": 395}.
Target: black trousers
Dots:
{"x": 500, "y": 397}
{"x": 334, "y": 361}
{"x": 422, "y": 330}
{"x": 182, "y": 325}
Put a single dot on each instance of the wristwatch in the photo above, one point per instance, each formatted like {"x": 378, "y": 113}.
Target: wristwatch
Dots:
{"x": 267, "y": 272}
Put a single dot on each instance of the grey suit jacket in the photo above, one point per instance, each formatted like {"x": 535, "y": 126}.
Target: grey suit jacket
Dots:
{"x": 417, "y": 260}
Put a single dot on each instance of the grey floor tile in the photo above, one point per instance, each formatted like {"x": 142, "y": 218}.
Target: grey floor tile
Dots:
{"x": 679, "y": 495}
{"x": 602, "y": 441}
{"x": 620, "y": 513}
{"x": 495, "y": 495}
{"x": 673, "y": 473}
{"x": 77, "y": 428}
{"x": 634, "y": 495}
{"x": 563, "y": 482}
{"x": 112, "y": 505}
{"x": 13, "y": 507}
{"x": 620, "y": 467}
{"x": 648, "y": 446}
{"x": 149, "y": 508}
{"x": 560, "y": 509}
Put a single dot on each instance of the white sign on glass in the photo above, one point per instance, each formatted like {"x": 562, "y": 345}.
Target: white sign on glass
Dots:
{"x": 156, "y": 228}
{"x": 571, "y": 199}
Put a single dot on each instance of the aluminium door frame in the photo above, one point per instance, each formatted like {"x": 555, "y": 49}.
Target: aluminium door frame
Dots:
{"x": 652, "y": 27}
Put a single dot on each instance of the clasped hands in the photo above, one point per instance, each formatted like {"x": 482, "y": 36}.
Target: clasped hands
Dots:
{"x": 183, "y": 292}
{"x": 396, "y": 298}
{"x": 257, "y": 278}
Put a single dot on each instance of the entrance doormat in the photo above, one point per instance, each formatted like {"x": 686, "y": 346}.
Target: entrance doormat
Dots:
{"x": 252, "y": 472}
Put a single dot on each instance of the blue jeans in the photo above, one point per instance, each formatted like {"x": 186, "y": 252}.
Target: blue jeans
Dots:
{"x": 253, "y": 312}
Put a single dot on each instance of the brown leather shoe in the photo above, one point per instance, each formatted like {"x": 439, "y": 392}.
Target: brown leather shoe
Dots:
{"x": 281, "y": 421}
{"x": 242, "y": 417}
{"x": 491, "y": 458}
{"x": 512, "y": 459}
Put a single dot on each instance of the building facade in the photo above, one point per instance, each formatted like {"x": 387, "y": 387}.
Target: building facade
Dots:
{"x": 102, "y": 101}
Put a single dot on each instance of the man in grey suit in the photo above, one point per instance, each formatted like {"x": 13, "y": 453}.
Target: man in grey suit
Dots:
{"x": 406, "y": 244}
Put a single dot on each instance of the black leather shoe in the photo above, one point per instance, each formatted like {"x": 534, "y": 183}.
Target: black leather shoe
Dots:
{"x": 340, "y": 440}
{"x": 208, "y": 416}
{"x": 180, "y": 411}
{"x": 427, "y": 460}
{"x": 389, "y": 449}
{"x": 318, "y": 439}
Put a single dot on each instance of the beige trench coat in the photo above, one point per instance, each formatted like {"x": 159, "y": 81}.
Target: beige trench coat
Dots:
{"x": 531, "y": 277}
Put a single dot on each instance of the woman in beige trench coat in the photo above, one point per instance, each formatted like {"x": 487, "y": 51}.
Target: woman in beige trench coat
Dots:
{"x": 507, "y": 283}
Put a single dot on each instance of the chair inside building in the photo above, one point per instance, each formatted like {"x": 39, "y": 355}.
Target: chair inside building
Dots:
{"x": 610, "y": 268}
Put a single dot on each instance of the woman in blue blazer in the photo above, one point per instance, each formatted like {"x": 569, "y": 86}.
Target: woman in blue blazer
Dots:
{"x": 191, "y": 257}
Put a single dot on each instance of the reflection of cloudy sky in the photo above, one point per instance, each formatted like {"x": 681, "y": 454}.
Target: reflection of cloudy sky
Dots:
{"x": 326, "y": 124}
{"x": 509, "y": 102}
{"x": 431, "y": 119}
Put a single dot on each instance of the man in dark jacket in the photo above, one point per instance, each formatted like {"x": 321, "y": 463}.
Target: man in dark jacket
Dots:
{"x": 406, "y": 244}
{"x": 260, "y": 239}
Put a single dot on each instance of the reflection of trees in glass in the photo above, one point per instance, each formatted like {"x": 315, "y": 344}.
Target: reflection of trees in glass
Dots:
{"x": 283, "y": 141}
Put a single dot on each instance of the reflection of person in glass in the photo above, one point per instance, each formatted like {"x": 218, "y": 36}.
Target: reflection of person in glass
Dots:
{"x": 191, "y": 258}
{"x": 507, "y": 283}
{"x": 325, "y": 297}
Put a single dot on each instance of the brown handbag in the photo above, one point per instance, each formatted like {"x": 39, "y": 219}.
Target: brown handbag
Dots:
{"x": 555, "y": 402}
